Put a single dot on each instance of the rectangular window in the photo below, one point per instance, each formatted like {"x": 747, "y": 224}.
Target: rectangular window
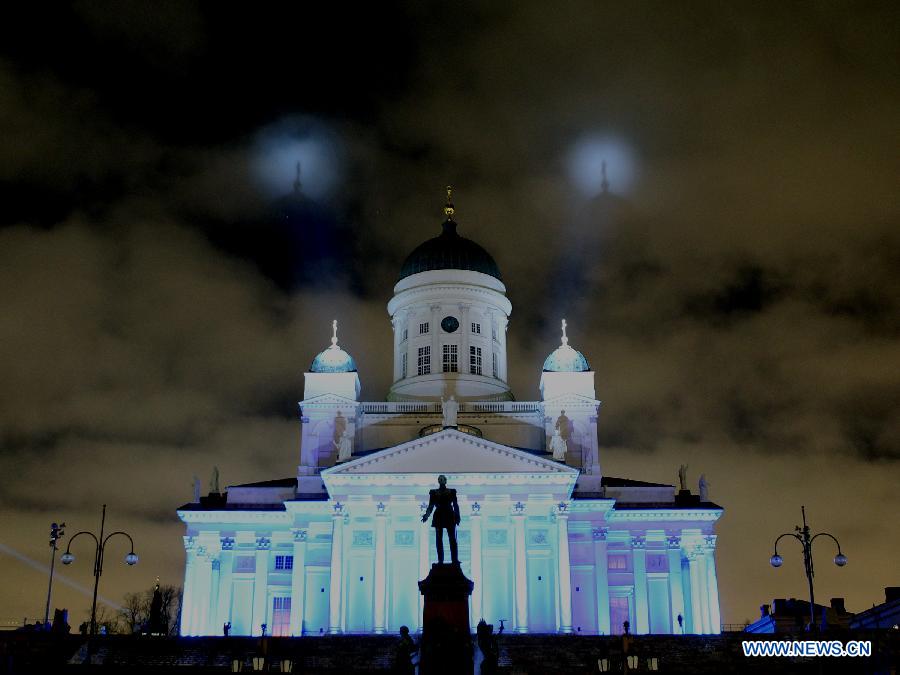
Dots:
{"x": 494, "y": 368}
{"x": 284, "y": 562}
{"x": 423, "y": 364}
{"x": 423, "y": 328}
{"x": 475, "y": 360}
{"x": 618, "y": 614}
{"x": 404, "y": 335}
{"x": 403, "y": 358}
{"x": 617, "y": 562}
{"x": 451, "y": 359}
{"x": 281, "y": 616}
{"x": 494, "y": 331}
{"x": 476, "y": 328}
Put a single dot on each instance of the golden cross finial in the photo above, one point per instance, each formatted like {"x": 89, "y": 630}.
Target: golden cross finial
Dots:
{"x": 448, "y": 208}
{"x": 334, "y": 333}
{"x": 565, "y": 339}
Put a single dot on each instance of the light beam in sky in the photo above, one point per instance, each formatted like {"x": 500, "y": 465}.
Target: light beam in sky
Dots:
{"x": 585, "y": 164}
{"x": 45, "y": 569}
{"x": 280, "y": 147}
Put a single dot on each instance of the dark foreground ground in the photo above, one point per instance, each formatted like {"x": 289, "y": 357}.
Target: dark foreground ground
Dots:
{"x": 27, "y": 653}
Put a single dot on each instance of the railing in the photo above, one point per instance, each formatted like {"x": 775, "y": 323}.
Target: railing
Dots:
{"x": 394, "y": 407}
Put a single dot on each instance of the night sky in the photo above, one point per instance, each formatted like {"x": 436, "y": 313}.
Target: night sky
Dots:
{"x": 737, "y": 290}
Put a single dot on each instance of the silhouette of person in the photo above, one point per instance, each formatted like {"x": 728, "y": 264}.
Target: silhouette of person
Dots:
{"x": 446, "y": 517}
{"x": 403, "y": 653}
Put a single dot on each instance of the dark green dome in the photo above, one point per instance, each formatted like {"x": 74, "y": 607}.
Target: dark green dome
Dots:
{"x": 449, "y": 251}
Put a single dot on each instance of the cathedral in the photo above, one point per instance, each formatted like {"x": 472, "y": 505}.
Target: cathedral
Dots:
{"x": 552, "y": 543}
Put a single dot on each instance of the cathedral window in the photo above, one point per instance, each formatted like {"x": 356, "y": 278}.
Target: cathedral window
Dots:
{"x": 494, "y": 331}
{"x": 423, "y": 363}
{"x": 494, "y": 368}
{"x": 423, "y": 328}
{"x": 475, "y": 360}
{"x": 451, "y": 359}
{"x": 281, "y": 616}
{"x": 619, "y": 613}
{"x": 404, "y": 335}
{"x": 476, "y": 328}
{"x": 403, "y": 358}
{"x": 617, "y": 562}
{"x": 284, "y": 562}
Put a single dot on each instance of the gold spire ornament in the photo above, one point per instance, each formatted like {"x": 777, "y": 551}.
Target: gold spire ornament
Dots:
{"x": 448, "y": 207}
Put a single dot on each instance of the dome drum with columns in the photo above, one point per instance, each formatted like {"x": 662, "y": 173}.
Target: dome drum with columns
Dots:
{"x": 551, "y": 542}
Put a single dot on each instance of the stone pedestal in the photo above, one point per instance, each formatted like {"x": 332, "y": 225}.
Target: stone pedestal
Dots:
{"x": 446, "y": 645}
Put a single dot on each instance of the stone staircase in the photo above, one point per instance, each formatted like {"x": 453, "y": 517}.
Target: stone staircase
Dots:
{"x": 27, "y": 653}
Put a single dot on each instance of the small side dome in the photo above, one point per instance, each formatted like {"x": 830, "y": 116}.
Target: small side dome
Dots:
{"x": 334, "y": 359}
{"x": 565, "y": 359}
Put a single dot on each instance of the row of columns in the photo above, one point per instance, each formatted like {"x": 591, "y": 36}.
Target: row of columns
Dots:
{"x": 699, "y": 607}
{"x": 209, "y": 578}
{"x": 520, "y": 569}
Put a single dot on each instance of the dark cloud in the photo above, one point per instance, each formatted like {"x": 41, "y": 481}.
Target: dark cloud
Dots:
{"x": 739, "y": 303}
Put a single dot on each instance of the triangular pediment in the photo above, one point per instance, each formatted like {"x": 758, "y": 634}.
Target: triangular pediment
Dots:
{"x": 329, "y": 399}
{"x": 572, "y": 400}
{"x": 451, "y": 451}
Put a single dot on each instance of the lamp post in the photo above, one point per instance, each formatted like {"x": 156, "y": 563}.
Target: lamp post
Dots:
{"x": 68, "y": 558}
{"x": 56, "y": 533}
{"x": 806, "y": 540}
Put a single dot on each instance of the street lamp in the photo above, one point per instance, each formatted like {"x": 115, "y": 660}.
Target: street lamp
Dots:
{"x": 56, "y": 533}
{"x": 806, "y": 540}
{"x": 68, "y": 558}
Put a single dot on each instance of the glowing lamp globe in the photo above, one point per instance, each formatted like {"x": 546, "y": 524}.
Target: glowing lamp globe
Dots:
{"x": 131, "y": 558}
{"x": 840, "y": 560}
{"x": 775, "y": 560}
{"x": 67, "y": 558}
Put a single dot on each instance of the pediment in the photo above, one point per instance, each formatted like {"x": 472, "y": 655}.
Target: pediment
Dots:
{"x": 451, "y": 452}
{"x": 572, "y": 400}
{"x": 329, "y": 400}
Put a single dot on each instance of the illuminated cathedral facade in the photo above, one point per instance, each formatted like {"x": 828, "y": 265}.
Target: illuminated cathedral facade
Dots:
{"x": 552, "y": 544}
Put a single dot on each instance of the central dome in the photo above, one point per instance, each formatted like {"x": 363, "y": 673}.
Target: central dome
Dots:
{"x": 449, "y": 251}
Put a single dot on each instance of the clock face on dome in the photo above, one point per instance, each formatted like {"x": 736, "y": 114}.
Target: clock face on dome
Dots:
{"x": 449, "y": 324}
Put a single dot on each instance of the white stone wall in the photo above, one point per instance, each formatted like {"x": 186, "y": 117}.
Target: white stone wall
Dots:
{"x": 542, "y": 566}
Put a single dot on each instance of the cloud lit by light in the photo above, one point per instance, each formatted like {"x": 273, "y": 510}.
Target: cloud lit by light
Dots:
{"x": 585, "y": 163}
{"x": 278, "y": 149}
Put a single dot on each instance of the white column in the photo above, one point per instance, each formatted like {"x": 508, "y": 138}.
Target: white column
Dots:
{"x": 564, "y": 569}
{"x": 425, "y": 534}
{"x": 212, "y": 614}
{"x": 712, "y": 584}
{"x": 187, "y": 606}
{"x": 380, "y": 601}
{"x": 298, "y": 582}
{"x": 337, "y": 569}
{"x": 521, "y": 569}
{"x": 202, "y": 585}
{"x": 641, "y": 607}
{"x": 696, "y": 604}
{"x": 676, "y": 586}
{"x": 261, "y": 585}
{"x": 704, "y": 591}
{"x": 226, "y": 566}
{"x": 475, "y": 569}
{"x": 601, "y": 578}
{"x": 435, "y": 328}
{"x": 464, "y": 341}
